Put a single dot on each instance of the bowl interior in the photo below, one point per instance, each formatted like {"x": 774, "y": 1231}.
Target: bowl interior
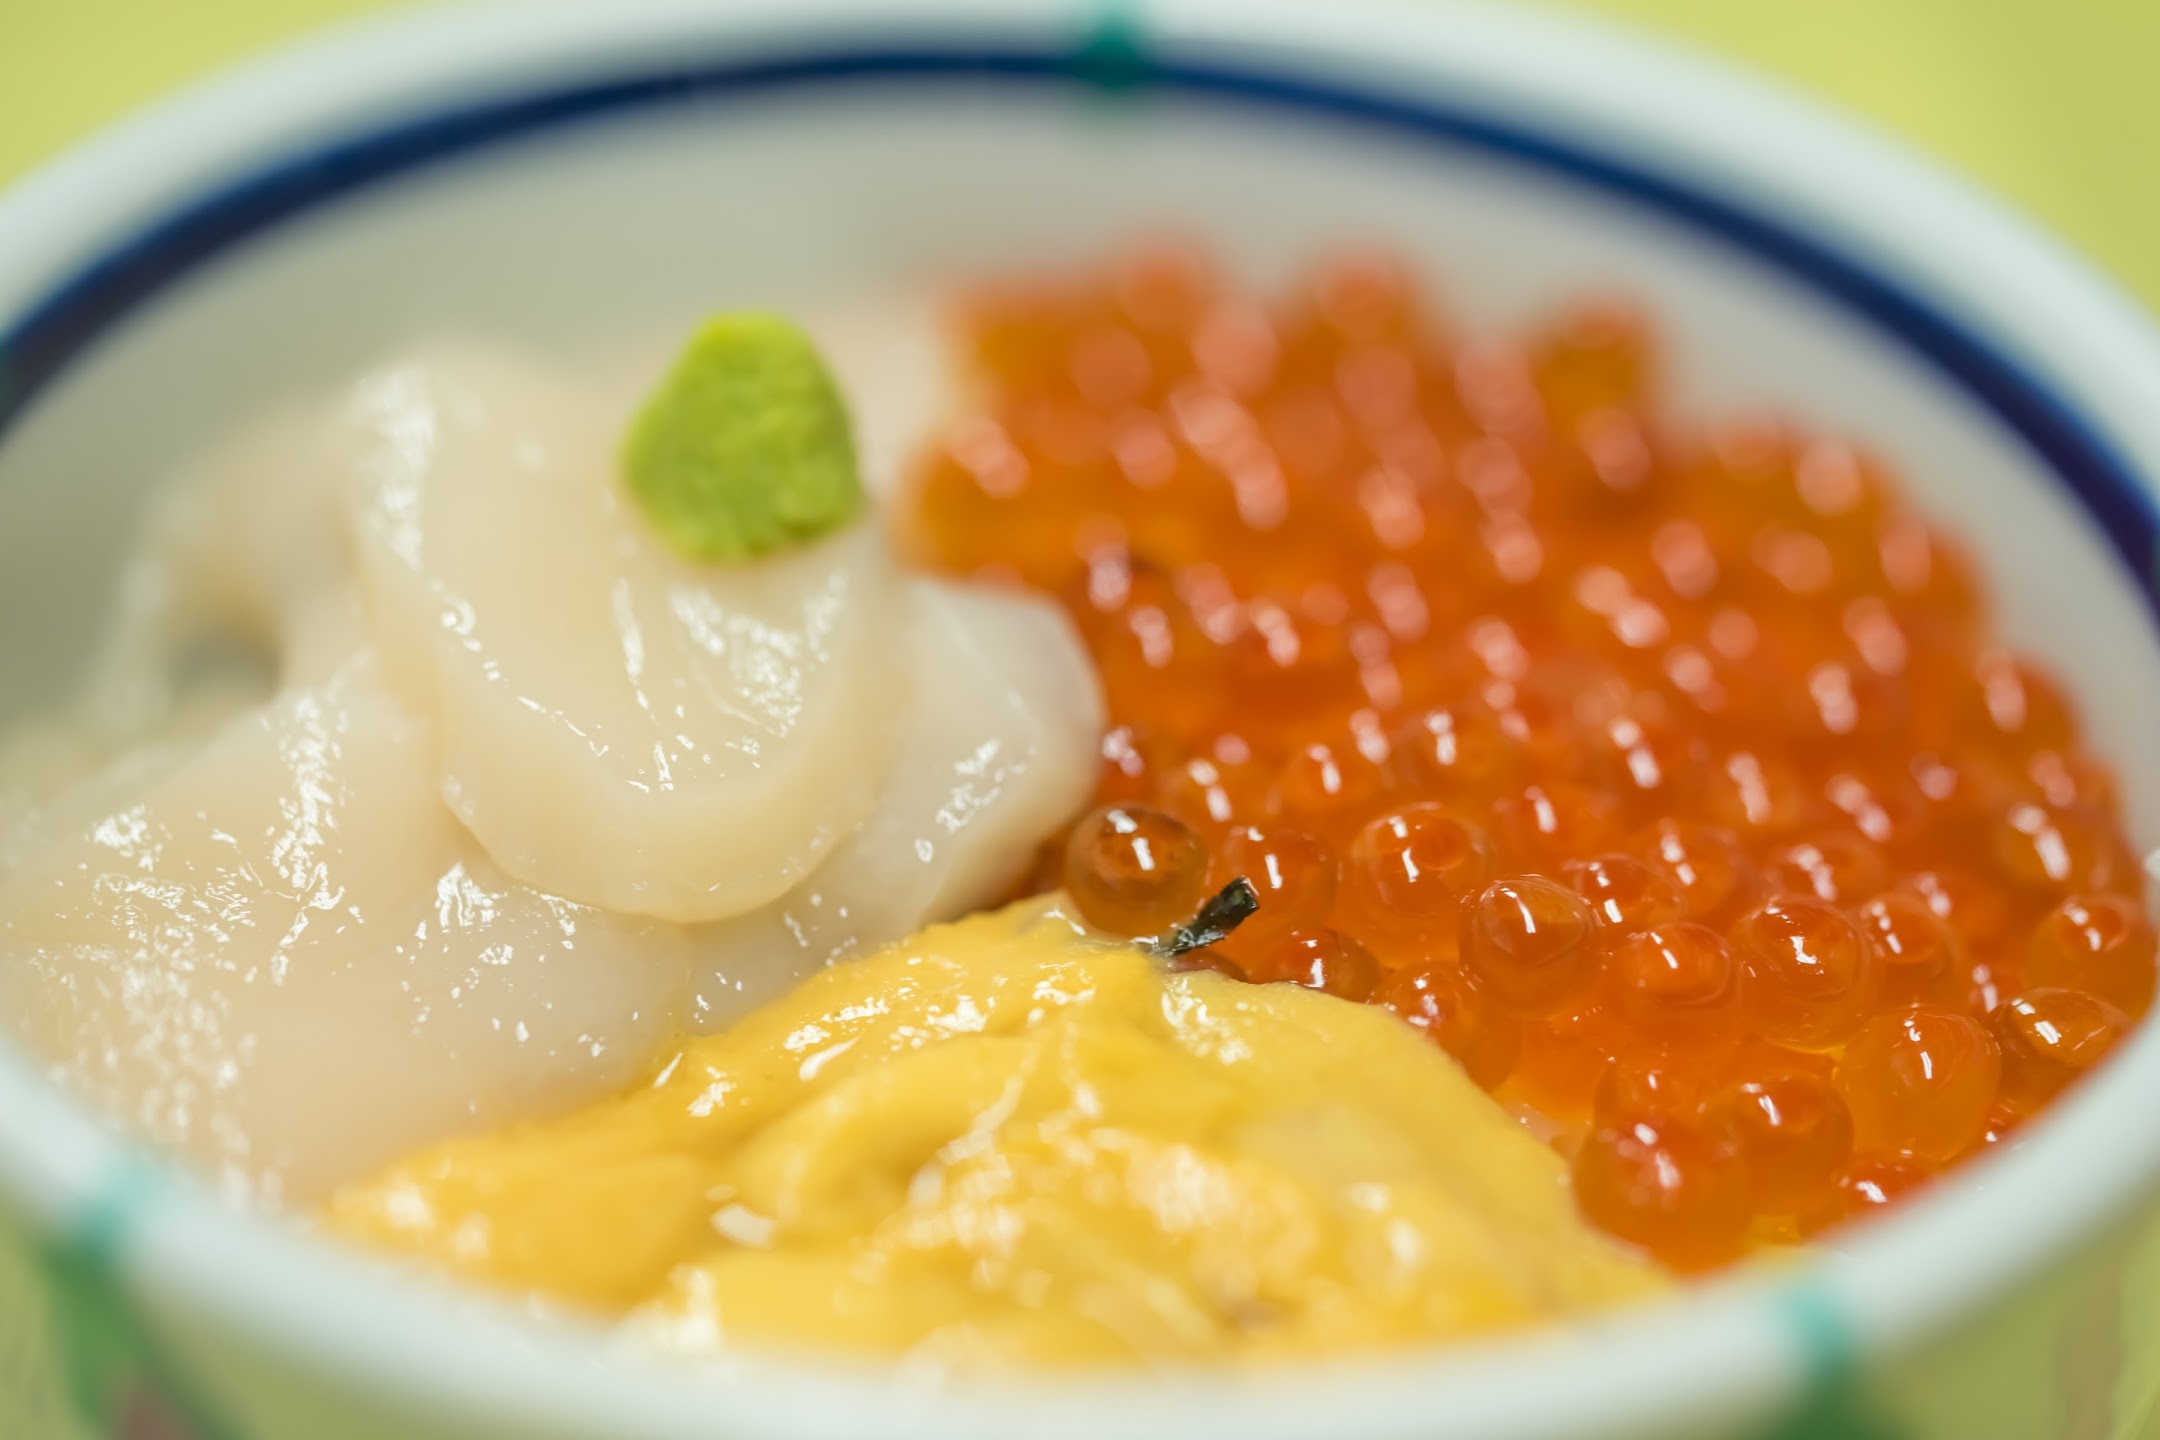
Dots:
{"x": 850, "y": 193}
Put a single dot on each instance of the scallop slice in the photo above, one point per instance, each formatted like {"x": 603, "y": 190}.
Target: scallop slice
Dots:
{"x": 617, "y": 725}
{"x": 998, "y": 748}
{"x": 281, "y": 956}
{"x": 241, "y": 581}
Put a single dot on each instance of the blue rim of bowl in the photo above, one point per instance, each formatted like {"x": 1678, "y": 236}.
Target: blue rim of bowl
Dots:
{"x": 59, "y": 329}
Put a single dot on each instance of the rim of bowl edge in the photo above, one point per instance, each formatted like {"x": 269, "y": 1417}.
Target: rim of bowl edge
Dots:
{"x": 1714, "y": 1349}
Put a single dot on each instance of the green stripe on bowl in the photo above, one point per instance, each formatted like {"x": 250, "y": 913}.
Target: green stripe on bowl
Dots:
{"x": 1112, "y": 52}
{"x": 1834, "y": 1404}
{"x": 119, "y": 1381}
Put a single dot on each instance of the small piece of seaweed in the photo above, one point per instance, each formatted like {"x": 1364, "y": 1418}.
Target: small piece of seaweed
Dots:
{"x": 1217, "y": 916}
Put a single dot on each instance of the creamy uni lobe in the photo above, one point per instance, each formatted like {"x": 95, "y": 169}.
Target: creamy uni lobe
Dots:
{"x": 1009, "y": 1141}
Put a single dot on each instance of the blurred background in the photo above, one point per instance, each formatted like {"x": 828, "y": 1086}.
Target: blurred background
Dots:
{"x": 2052, "y": 103}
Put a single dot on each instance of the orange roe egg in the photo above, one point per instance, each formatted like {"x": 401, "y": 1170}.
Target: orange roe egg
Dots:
{"x": 1317, "y": 958}
{"x": 1794, "y": 1134}
{"x": 1812, "y": 977}
{"x": 1163, "y": 285}
{"x": 1459, "y": 1017}
{"x": 1627, "y": 894}
{"x": 1843, "y": 867}
{"x": 2100, "y": 943}
{"x": 2073, "y": 780}
{"x": 1532, "y": 942}
{"x": 1210, "y": 794}
{"x": 1457, "y": 755}
{"x": 1888, "y": 809}
{"x": 1977, "y": 912}
{"x": 1292, "y": 873}
{"x": 1543, "y": 824}
{"x": 1706, "y": 863}
{"x": 1133, "y": 870}
{"x": 1565, "y": 1055}
{"x": 1758, "y": 795}
{"x": 1650, "y": 765}
{"x": 1410, "y": 870}
{"x": 1756, "y": 1058}
{"x": 2017, "y": 702}
{"x": 1920, "y": 1082}
{"x": 2003, "y": 1120}
{"x": 1327, "y": 789}
{"x": 1920, "y": 954}
{"x": 1361, "y": 296}
{"x": 2052, "y": 1037}
{"x": 1675, "y": 982}
{"x": 1494, "y": 681}
{"x": 1667, "y": 1185}
{"x": 1128, "y": 769}
{"x": 1873, "y": 1183}
{"x": 2038, "y": 848}
{"x": 1627, "y": 1091}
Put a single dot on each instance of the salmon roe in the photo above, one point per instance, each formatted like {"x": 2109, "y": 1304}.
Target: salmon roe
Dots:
{"x": 1670, "y": 780}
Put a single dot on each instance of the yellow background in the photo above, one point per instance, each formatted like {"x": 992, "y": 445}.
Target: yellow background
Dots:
{"x": 2054, "y": 103}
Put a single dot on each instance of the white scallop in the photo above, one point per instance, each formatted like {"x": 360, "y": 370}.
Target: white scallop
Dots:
{"x": 279, "y": 953}
{"x": 617, "y": 725}
{"x": 997, "y": 749}
{"x": 260, "y": 930}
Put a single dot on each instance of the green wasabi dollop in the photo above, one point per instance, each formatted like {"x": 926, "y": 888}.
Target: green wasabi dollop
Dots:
{"x": 745, "y": 448}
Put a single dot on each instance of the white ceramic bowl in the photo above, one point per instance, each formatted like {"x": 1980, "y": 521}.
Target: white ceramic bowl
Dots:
{"x": 560, "y": 174}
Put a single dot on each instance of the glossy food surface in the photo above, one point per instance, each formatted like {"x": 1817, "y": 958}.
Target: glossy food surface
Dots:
{"x": 488, "y": 793}
{"x": 278, "y": 954}
{"x": 1006, "y": 1141}
{"x": 1616, "y": 743}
